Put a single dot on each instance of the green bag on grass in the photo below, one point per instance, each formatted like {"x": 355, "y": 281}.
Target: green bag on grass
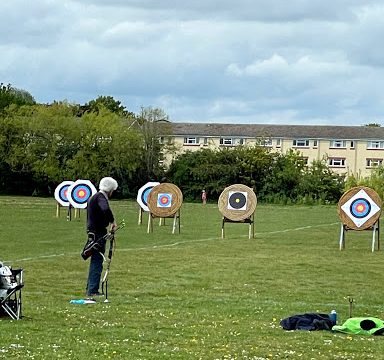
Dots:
{"x": 361, "y": 326}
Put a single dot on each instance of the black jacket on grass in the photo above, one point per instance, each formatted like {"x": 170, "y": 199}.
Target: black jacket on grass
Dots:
{"x": 308, "y": 321}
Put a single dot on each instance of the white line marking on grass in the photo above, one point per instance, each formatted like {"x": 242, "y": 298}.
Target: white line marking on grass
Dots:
{"x": 155, "y": 247}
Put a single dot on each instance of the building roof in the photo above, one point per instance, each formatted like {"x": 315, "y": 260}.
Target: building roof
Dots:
{"x": 279, "y": 131}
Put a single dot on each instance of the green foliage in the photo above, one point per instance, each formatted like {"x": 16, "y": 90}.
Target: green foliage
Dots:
{"x": 319, "y": 184}
{"x": 42, "y": 145}
{"x": 106, "y": 102}
{"x": 10, "y": 95}
{"x": 374, "y": 181}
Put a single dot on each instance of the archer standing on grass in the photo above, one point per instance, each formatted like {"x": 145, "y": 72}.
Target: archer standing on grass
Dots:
{"x": 99, "y": 218}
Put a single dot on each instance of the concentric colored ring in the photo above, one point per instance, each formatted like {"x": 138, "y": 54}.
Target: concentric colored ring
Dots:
{"x": 360, "y": 208}
{"x": 164, "y": 200}
{"x": 81, "y": 193}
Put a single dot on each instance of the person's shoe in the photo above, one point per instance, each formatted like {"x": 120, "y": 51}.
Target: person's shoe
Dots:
{"x": 95, "y": 294}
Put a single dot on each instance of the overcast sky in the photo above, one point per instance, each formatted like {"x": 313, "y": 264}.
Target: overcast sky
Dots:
{"x": 239, "y": 61}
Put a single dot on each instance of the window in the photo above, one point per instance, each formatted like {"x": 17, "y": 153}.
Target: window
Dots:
{"x": 226, "y": 141}
{"x": 301, "y": 143}
{"x": 265, "y": 142}
{"x": 191, "y": 141}
{"x": 338, "y": 144}
{"x": 375, "y": 144}
{"x": 315, "y": 143}
{"x": 278, "y": 142}
{"x": 336, "y": 162}
{"x": 205, "y": 141}
{"x": 305, "y": 160}
{"x": 352, "y": 144}
{"x": 239, "y": 141}
{"x": 374, "y": 162}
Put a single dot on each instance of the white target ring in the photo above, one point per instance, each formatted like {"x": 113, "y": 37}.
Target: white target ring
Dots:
{"x": 61, "y": 192}
{"x": 80, "y": 192}
{"x": 142, "y": 195}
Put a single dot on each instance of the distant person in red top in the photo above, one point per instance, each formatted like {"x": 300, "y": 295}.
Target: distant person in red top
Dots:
{"x": 204, "y": 197}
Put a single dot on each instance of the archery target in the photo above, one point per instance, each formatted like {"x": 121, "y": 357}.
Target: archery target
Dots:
{"x": 61, "y": 192}
{"x": 142, "y": 195}
{"x": 237, "y": 202}
{"x": 164, "y": 200}
{"x": 359, "y": 208}
{"x": 79, "y": 193}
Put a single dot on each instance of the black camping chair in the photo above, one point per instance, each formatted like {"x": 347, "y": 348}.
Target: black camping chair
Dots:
{"x": 10, "y": 294}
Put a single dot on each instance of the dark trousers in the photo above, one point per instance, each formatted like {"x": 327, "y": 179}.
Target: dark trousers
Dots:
{"x": 95, "y": 270}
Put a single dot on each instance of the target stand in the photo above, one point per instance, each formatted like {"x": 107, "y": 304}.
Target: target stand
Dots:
{"x": 61, "y": 196}
{"x": 359, "y": 209}
{"x": 164, "y": 201}
{"x": 237, "y": 203}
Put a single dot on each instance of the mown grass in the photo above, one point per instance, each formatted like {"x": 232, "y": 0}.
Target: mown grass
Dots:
{"x": 191, "y": 295}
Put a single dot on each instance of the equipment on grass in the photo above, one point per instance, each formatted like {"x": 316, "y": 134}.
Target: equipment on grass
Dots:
{"x": 111, "y": 237}
{"x": 11, "y": 283}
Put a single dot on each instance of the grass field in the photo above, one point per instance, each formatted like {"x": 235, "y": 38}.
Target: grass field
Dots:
{"x": 191, "y": 295}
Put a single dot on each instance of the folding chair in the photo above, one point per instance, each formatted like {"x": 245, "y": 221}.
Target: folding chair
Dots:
{"x": 11, "y": 284}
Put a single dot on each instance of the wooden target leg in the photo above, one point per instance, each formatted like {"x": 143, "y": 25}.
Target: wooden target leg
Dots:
{"x": 150, "y": 226}
{"x": 342, "y": 238}
{"x": 250, "y": 228}
{"x": 174, "y": 223}
{"x": 140, "y": 216}
{"x": 57, "y": 210}
{"x": 222, "y": 228}
{"x": 375, "y": 231}
{"x": 178, "y": 221}
{"x": 378, "y": 234}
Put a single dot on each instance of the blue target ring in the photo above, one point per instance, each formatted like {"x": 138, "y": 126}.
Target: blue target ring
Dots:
{"x": 164, "y": 200}
{"x": 63, "y": 193}
{"x": 360, "y": 208}
{"x": 81, "y": 193}
{"x": 144, "y": 195}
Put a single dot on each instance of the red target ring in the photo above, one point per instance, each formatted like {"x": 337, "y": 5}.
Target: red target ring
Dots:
{"x": 80, "y": 192}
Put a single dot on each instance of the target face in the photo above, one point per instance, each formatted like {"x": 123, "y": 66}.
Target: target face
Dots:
{"x": 142, "y": 195}
{"x": 79, "y": 193}
{"x": 237, "y": 200}
{"x": 164, "y": 200}
{"x": 360, "y": 208}
{"x": 61, "y": 193}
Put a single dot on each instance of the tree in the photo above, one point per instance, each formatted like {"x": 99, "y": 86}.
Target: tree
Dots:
{"x": 10, "y": 95}
{"x": 152, "y": 124}
{"x": 107, "y": 102}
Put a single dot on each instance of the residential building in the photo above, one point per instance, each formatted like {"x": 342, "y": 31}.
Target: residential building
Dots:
{"x": 347, "y": 149}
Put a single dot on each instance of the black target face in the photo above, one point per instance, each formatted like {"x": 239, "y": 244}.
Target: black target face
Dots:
{"x": 237, "y": 200}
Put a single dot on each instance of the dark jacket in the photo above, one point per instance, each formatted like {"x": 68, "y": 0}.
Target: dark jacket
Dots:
{"x": 308, "y": 321}
{"x": 99, "y": 214}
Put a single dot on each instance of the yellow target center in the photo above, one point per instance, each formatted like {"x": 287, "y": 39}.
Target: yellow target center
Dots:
{"x": 360, "y": 208}
{"x": 81, "y": 193}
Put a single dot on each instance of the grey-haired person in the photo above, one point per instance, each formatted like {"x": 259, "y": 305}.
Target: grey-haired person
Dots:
{"x": 99, "y": 218}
